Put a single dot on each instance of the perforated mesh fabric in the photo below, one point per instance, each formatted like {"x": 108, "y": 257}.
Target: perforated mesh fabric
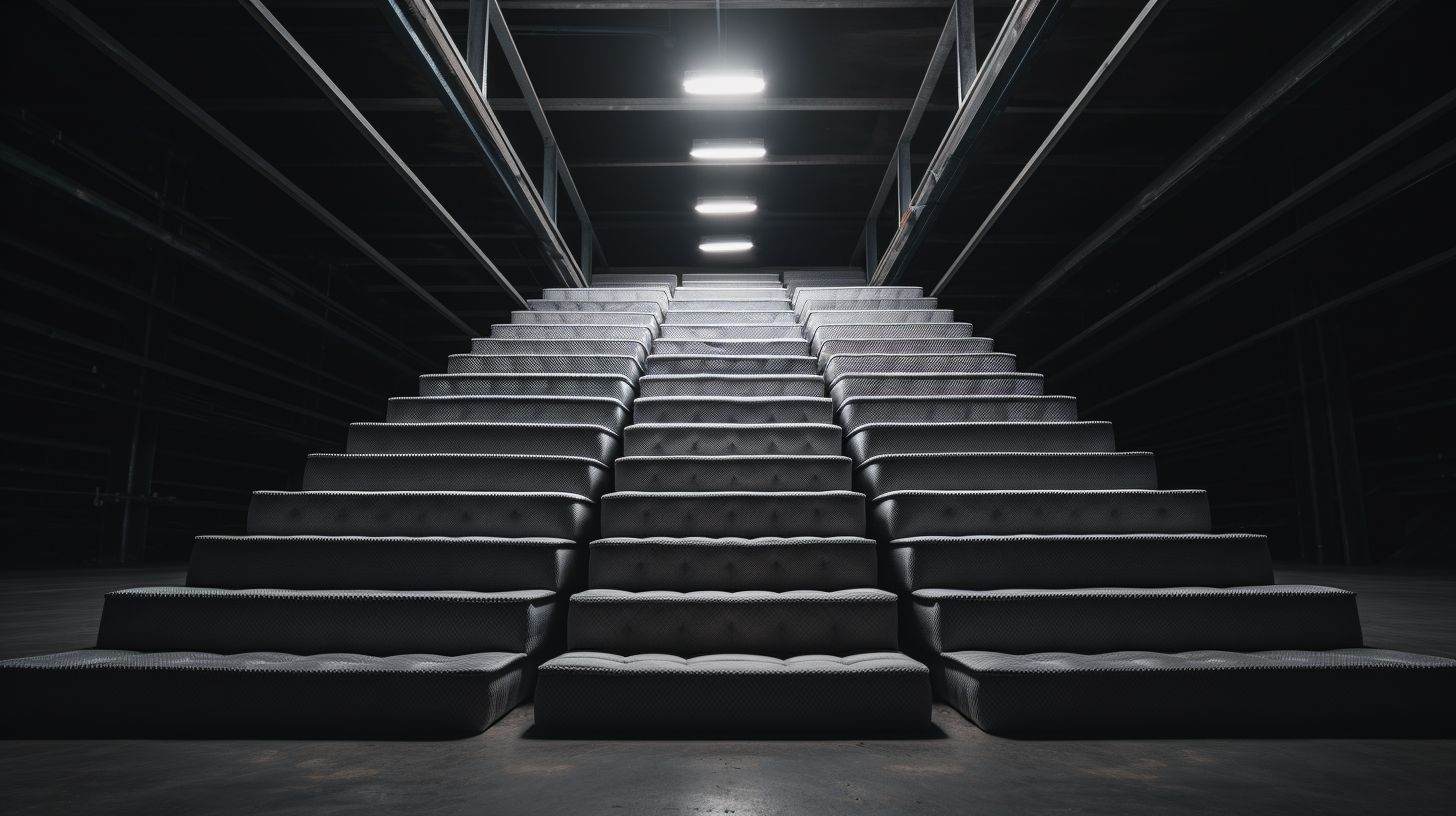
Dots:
{"x": 879, "y": 438}
{"x": 437, "y": 513}
{"x": 608, "y": 413}
{"x": 693, "y": 294}
{"x": 842, "y": 364}
{"x": 456, "y": 471}
{"x": 906, "y": 513}
{"x": 267, "y": 694}
{"x": 627, "y": 365}
{"x": 639, "y": 515}
{"x": 778, "y": 624}
{"x": 490, "y": 345}
{"x": 895, "y": 317}
{"x": 698, "y": 317}
{"x": 646, "y": 306}
{"x": 732, "y": 385}
{"x": 836, "y": 292}
{"x": 570, "y": 331}
{"x": 881, "y": 384}
{"x": 857, "y": 411}
{"x": 746, "y": 303}
{"x": 613, "y": 386}
{"x": 601, "y": 279}
{"x": 962, "y": 343}
{"x": 685, "y": 564}
{"x": 740, "y": 331}
{"x": 1006, "y": 471}
{"x": 360, "y": 621}
{"x": 808, "y": 306}
{"x": 733, "y": 473}
{"x": 722, "y": 410}
{"x": 797, "y": 347}
{"x": 480, "y": 564}
{"x": 610, "y": 295}
{"x": 1068, "y": 561}
{"x": 1088, "y": 621}
{"x": 648, "y": 439}
{"x": 1338, "y": 692}
{"x": 648, "y": 318}
{"x": 592, "y": 441}
{"x": 740, "y": 364}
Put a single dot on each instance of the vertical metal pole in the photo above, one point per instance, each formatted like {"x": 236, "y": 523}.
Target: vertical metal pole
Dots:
{"x": 477, "y": 40}
{"x": 872, "y": 248}
{"x": 588, "y": 249}
{"x": 903, "y": 186}
{"x": 965, "y": 11}
{"x": 548, "y": 178}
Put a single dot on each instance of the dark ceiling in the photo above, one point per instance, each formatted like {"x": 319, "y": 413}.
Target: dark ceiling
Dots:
{"x": 160, "y": 288}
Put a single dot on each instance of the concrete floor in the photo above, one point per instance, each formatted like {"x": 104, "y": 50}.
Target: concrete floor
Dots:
{"x": 505, "y": 772}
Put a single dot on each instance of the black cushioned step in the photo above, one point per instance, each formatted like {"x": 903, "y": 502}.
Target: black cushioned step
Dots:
{"x": 778, "y": 346}
{"x": 608, "y": 295}
{"x": 486, "y": 472}
{"x": 257, "y": 694}
{"x": 989, "y": 363}
{"x": 1006, "y": 471}
{"x": 732, "y": 385}
{"x": 876, "y": 317}
{"x": 312, "y": 621}
{"x": 907, "y": 513}
{"x": 603, "y": 411}
{"x": 676, "y": 439}
{"x": 826, "y": 347}
{"x": 639, "y": 515}
{"x": 812, "y": 304}
{"x": 626, "y": 365}
{"x": 684, "y": 474}
{"x": 437, "y": 513}
{"x": 715, "y": 410}
{"x": 737, "y": 364}
{"x": 700, "y": 317}
{"x": 1069, "y": 561}
{"x": 614, "y": 386}
{"x": 592, "y": 441}
{"x": 696, "y": 293}
{"x": 1088, "y": 621}
{"x": 747, "y": 303}
{"x": 570, "y": 331}
{"x": 615, "y": 348}
{"x": 732, "y": 694}
{"x": 780, "y": 624}
{"x": 599, "y": 280}
{"x": 734, "y": 331}
{"x": 1206, "y": 693}
{"x": 644, "y": 318}
{"x": 889, "y": 384}
{"x": 648, "y": 306}
{"x": 686, "y": 564}
{"x": 879, "y": 438}
{"x": 858, "y": 411}
{"x": 842, "y": 292}
{"x": 347, "y": 562}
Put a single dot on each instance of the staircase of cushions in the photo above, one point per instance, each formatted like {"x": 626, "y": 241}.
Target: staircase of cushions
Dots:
{"x": 733, "y": 590}
{"x": 1049, "y": 583}
{"x": 411, "y": 588}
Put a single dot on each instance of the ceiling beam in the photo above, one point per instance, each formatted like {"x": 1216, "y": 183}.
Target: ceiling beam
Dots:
{"x": 649, "y": 104}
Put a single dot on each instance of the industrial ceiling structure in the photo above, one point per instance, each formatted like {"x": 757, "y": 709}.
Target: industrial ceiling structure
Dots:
{"x": 232, "y": 226}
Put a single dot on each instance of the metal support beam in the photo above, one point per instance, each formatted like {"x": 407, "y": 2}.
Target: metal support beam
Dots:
{"x": 965, "y": 44}
{"x": 587, "y": 251}
{"x": 1445, "y": 103}
{"x": 1027, "y": 26}
{"x": 275, "y": 28}
{"x": 904, "y": 184}
{"x": 871, "y": 244}
{"x": 113, "y": 49}
{"x": 28, "y": 167}
{"x": 550, "y": 169}
{"x": 1293, "y": 79}
{"x": 477, "y": 41}
{"x": 1114, "y": 58}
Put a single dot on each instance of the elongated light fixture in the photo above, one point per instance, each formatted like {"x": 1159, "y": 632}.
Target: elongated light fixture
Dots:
{"x": 723, "y": 83}
{"x": 725, "y": 205}
{"x": 728, "y": 149}
{"x": 726, "y": 243}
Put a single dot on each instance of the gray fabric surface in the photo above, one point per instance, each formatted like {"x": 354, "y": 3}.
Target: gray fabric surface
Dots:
{"x": 591, "y": 441}
{"x": 419, "y": 513}
{"x": 685, "y": 564}
{"x": 636, "y": 514}
{"x": 906, "y": 513}
{"x": 733, "y": 473}
{"x": 731, "y": 439}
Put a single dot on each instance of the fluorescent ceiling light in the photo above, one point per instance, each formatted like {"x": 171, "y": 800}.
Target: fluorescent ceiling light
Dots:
{"x": 726, "y": 243}
{"x": 728, "y": 149}
{"x": 725, "y": 205}
{"x": 723, "y": 83}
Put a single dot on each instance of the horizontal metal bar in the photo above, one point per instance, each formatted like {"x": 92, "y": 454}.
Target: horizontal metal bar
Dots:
{"x": 1289, "y": 81}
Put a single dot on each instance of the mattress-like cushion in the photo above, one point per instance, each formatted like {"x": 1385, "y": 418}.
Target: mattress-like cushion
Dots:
{"x": 907, "y": 513}
{"x": 732, "y": 331}
{"x": 749, "y": 515}
{"x": 491, "y": 345}
{"x": 743, "y": 439}
{"x": 732, "y": 694}
{"x": 752, "y": 346}
{"x": 731, "y": 410}
{"x": 443, "y": 513}
{"x": 736, "y": 364}
{"x": 108, "y": 692}
{"x": 574, "y": 306}
{"x": 603, "y": 411}
{"x": 456, "y": 471}
{"x": 876, "y": 438}
{"x": 625, "y": 364}
{"x": 801, "y": 621}
{"x": 732, "y": 385}
{"x": 857, "y": 411}
{"x": 646, "y": 317}
{"x": 984, "y": 363}
{"x": 927, "y": 338}
{"x": 699, "y": 317}
{"x": 685, "y": 564}
{"x": 842, "y": 293}
{"x": 536, "y": 438}
{"x": 298, "y": 621}
{"x": 887, "y": 472}
{"x": 733, "y": 473}
{"x": 614, "y": 386}
{"x": 1176, "y": 619}
{"x": 1203, "y": 693}
{"x": 890, "y": 384}
{"x": 571, "y": 331}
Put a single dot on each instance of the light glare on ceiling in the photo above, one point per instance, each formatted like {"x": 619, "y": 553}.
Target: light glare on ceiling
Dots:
{"x": 723, "y": 83}
{"x": 728, "y": 149}
{"x": 726, "y": 243}
{"x": 725, "y": 205}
